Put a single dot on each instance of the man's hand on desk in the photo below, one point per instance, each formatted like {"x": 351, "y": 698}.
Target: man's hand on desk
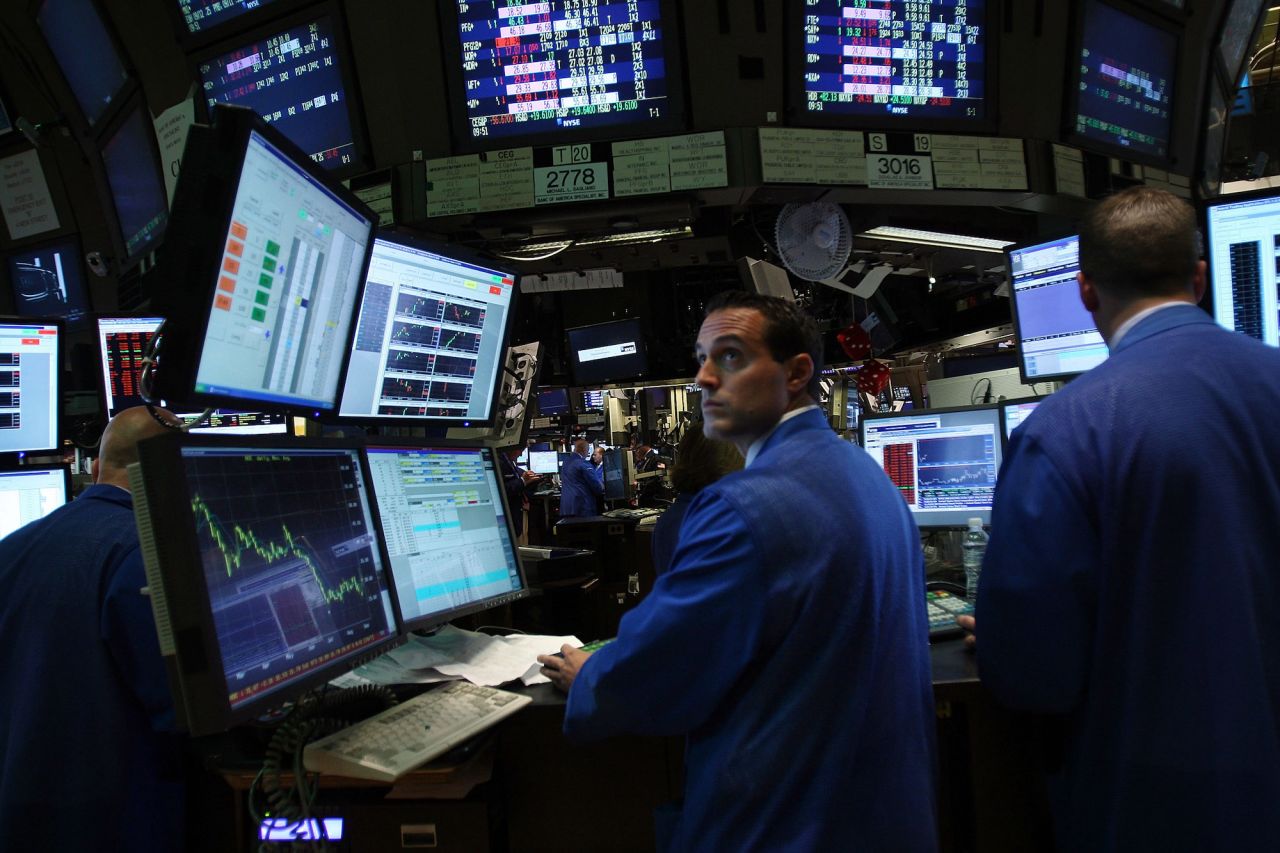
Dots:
{"x": 563, "y": 668}
{"x": 970, "y": 630}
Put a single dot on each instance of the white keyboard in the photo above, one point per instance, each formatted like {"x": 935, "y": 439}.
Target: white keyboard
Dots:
{"x": 395, "y": 741}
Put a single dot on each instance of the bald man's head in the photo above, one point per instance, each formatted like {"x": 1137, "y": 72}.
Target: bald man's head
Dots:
{"x": 118, "y": 448}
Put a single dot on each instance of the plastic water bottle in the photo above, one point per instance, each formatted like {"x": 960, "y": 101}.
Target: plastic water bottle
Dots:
{"x": 975, "y": 548}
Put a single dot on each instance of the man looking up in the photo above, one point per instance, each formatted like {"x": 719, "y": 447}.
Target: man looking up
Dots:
{"x": 1131, "y": 578}
{"x": 788, "y": 640}
{"x": 580, "y": 489}
{"x": 84, "y": 766}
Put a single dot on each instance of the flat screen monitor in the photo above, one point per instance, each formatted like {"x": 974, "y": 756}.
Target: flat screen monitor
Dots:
{"x": 1123, "y": 72}
{"x": 448, "y": 531}
{"x": 558, "y": 72}
{"x": 886, "y": 62}
{"x": 203, "y": 16}
{"x": 553, "y": 401}
{"x": 1244, "y": 263}
{"x": 431, "y": 338}
{"x": 122, "y": 345}
{"x": 30, "y": 387}
{"x": 944, "y": 462}
{"x": 135, "y": 182}
{"x": 619, "y": 474}
{"x": 296, "y": 74}
{"x": 273, "y": 253}
{"x": 266, "y": 571}
{"x": 590, "y": 401}
{"x": 86, "y": 52}
{"x": 48, "y": 281}
{"x": 1239, "y": 26}
{"x": 544, "y": 462}
{"x": 30, "y": 493}
{"x": 1014, "y": 412}
{"x": 1057, "y": 337}
{"x": 607, "y": 352}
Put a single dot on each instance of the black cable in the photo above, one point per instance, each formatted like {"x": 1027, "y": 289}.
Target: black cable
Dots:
{"x": 973, "y": 394}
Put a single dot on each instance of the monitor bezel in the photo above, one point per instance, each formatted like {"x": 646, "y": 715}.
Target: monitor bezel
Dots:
{"x": 578, "y": 400}
{"x": 103, "y": 366}
{"x": 1006, "y": 404}
{"x": 130, "y": 86}
{"x": 1071, "y": 103}
{"x": 215, "y": 156}
{"x": 1013, "y": 312}
{"x": 794, "y": 90}
{"x": 568, "y": 401}
{"x": 573, "y": 362}
{"x": 1211, "y": 289}
{"x": 435, "y": 620}
{"x": 227, "y": 30}
{"x": 270, "y": 27}
{"x": 673, "y": 56}
{"x": 60, "y": 351}
{"x": 197, "y": 676}
{"x": 1233, "y": 75}
{"x": 454, "y": 253}
{"x": 7, "y": 467}
{"x": 995, "y": 408}
{"x": 134, "y": 105}
{"x": 72, "y": 238}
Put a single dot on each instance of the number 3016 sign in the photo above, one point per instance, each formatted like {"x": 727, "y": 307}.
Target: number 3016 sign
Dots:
{"x": 899, "y": 172}
{"x": 570, "y": 182}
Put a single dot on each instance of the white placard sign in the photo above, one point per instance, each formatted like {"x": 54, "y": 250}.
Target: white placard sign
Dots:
{"x": 172, "y": 127}
{"x": 899, "y": 172}
{"x": 24, "y": 196}
{"x": 570, "y": 182}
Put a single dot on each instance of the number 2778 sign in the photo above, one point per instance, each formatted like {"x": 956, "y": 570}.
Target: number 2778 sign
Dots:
{"x": 899, "y": 172}
{"x": 570, "y": 182}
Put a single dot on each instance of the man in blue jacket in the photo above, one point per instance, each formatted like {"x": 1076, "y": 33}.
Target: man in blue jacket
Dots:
{"x": 1131, "y": 580}
{"x": 85, "y": 763}
{"x": 580, "y": 489}
{"x": 788, "y": 640}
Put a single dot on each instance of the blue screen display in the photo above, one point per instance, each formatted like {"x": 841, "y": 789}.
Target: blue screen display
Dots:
{"x": 137, "y": 187}
{"x": 1126, "y": 81}
{"x": 201, "y": 15}
{"x": 549, "y": 66}
{"x": 85, "y": 52}
{"x": 294, "y": 81}
{"x": 895, "y": 58}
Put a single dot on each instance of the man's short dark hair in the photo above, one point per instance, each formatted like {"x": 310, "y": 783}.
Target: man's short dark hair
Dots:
{"x": 788, "y": 331}
{"x": 1140, "y": 242}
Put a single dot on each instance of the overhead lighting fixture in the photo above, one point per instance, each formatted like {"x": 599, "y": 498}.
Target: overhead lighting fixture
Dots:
{"x": 936, "y": 238}
{"x": 652, "y": 235}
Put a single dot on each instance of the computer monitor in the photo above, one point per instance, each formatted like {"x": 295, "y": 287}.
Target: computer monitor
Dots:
{"x": 266, "y": 572}
{"x": 1123, "y": 61}
{"x": 135, "y": 183}
{"x": 557, "y": 73}
{"x": 31, "y": 492}
{"x": 122, "y": 344}
{"x": 431, "y": 339}
{"x": 1014, "y": 412}
{"x": 272, "y": 253}
{"x": 589, "y": 402}
{"x": 443, "y": 511}
{"x": 86, "y": 51}
{"x": 553, "y": 401}
{"x": 30, "y": 384}
{"x": 619, "y": 474}
{"x": 297, "y": 74}
{"x": 48, "y": 281}
{"x": 202, "y": 19}
{"x": 892, "y": 63}
{"x": 544, "y": 462}
{"x": 1057, "y": 337}
{"x": 1244, "y": 263}
{"x": 607, "y": 352}
{"x": 944, "y": 462}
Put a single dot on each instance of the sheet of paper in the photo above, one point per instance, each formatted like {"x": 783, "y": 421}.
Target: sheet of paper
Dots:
{"x": 172, "y": 127}
{"x": 24, "y": 196}
{"x": 871, "y": 281}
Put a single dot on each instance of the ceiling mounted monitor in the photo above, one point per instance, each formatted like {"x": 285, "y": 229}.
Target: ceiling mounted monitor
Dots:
{"x": 134, "y": 183}
{"x": 1123, "y": 65}
{"x": 297, "y": 74}
{"x": 556, "y": 73}
{"x": 892, "y": 63}
{"x": 48, "y": 280}
{"x": 86, "y": 51}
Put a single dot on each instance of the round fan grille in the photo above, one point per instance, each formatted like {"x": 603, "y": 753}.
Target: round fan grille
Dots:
{"x": 814, "y": 239}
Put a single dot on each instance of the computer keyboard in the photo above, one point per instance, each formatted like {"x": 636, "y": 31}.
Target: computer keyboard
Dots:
{"x": 395, "y": 741}
{"x": 943, "y": 609}
{"x": 632, "y": 513}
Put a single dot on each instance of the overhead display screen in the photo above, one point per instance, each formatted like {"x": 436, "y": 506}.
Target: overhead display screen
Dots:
{"x": 202, "y": 15}
{"x": 1125, "y": 82}
{"x": 294, "y": 80}
{"x": 892, "y": 59}
{"x": 587, "y": 67}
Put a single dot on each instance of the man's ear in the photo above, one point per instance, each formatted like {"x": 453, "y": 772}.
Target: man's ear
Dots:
{"x": 1199, "y": 281}
{"x": 799, "y": 372}
{"x": 1088, "y": 293}
{"x": 93, "y": 469}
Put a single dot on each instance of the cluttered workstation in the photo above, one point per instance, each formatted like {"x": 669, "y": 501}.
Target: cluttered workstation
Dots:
{"x": 480, "y": 425}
